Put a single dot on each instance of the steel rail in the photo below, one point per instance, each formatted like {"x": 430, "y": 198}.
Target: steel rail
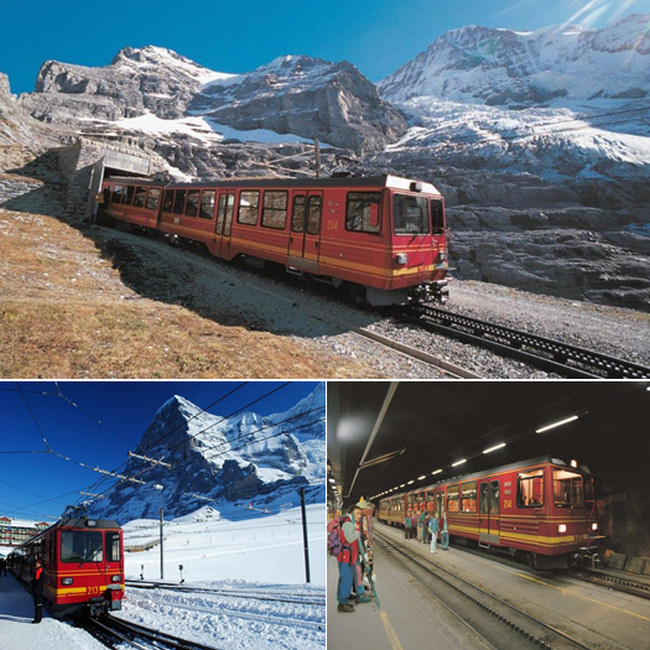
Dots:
{"x": 564, "y": 358}
{"x": 124, "y": 630}
{"x": 224, "y": 592}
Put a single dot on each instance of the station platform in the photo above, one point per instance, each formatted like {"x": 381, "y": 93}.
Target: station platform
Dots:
{"x": 18, "y": 633}
{"x": 407, "y": 617}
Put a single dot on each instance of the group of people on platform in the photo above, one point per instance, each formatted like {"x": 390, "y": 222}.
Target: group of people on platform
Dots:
{"x": 425, "y": 526}
{"x": 355, "y": 558}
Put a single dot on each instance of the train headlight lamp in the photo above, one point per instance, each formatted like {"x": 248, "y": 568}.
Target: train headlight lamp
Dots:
{"x": 66, "y": 581}
{"x": 561, "y": 528}
{"x": 116, "y": 578}
{"x": 402, "y": 258}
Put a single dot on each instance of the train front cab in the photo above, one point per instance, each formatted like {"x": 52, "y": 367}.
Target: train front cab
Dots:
{"x": 84, "y": 566}
{"x": 545, "y": 513}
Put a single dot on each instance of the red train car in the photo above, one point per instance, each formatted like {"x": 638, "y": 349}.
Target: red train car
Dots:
{"x": 83, "y": 561}
{"x": 382, "y": 238}
{"x": 542, "y": 508}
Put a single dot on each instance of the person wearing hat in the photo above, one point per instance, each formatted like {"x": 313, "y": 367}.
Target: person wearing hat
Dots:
{"x": 348, "y": 559}
{"x": 37, "y": 590}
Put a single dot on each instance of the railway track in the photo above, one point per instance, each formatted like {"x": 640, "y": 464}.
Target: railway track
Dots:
{"x": 498, "y": 623}
{"x": 112, "y": 632}
{"x": 617, "y": 582}
{"x": 563, "y": 358}
{"x": 231, "y": 593}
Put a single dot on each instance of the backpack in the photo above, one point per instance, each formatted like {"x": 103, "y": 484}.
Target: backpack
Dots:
{"x": 335, "y": 543}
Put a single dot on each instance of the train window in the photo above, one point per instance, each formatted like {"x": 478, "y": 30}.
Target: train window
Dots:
{"x": 452, "y": 498}
{"x": 530, "y": 489}
{"x": 192, "y": 205}
{"x": 82, "y": 546}
{"x": 118, "y": 192}
{"x": 494, "y": 497}
{"x": 140, "y": 197}
{"x": 153, "y": 198}
{"x": 410, "y": 215}
{"x": 314, "y": 216}
{"x": 437, "y": 216}
{"x": 249, "y": 201}
{"x": 363, "y": 212}
{"x": 207, "y": 204}
{"x": 568, "y": 489}
{"x": 130, "y": 191}
{"x": 168, "y": 201}
{"x": 179, "y": 201}
{"x": 298, "y": 214}
{"x": 439, "y": 503}
{"x": 112, "y": 547}
{"x": 230, "y": 209}
{"x": 484, "y": 504}
{"x": 274, "y": 210}
{"x": 468, "y": 497}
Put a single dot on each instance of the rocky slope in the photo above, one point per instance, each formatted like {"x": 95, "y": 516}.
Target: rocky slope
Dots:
{"x": 243, "y": 457}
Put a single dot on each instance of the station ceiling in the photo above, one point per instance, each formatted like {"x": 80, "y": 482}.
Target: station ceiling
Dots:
{"x": 402, "y": 431}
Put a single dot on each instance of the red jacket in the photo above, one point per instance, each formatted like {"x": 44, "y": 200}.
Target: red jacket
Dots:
{"x": 350, "y": 552}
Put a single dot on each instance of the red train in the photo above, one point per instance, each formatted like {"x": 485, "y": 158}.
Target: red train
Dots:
{"x": 383, "y": 239}
{"x": 83, "y": 561}
{"x": 542, "y": 508}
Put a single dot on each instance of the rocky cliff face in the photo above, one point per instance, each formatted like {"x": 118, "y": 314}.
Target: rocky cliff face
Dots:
{"x": 540, "y": 142}
{"x": 243, "y": 457}
{"x": 300, "y": 96}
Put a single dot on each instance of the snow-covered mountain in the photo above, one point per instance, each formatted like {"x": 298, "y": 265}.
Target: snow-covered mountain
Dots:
{"x": 503, "y": 67}
{"x": 245, "y": 457}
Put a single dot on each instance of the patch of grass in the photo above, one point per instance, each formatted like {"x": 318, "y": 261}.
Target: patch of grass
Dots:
{"x": 66, "y": 312}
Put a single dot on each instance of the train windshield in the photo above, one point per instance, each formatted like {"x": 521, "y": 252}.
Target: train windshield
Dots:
{"x": 82, "y": 546}
{"x": 410, "y": 215}
{"x": 568, "y": 489}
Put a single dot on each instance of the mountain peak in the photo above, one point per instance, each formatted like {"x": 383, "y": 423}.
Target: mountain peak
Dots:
{"x": 232, "y": 458}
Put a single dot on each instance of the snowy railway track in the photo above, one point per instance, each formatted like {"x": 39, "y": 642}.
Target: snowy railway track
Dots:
{"x": 112, "y": 632}
{"x": 267, "y": 596}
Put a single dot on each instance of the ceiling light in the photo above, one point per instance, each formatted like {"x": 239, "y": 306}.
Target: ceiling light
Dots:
{"x": 438, "y": 471}
{"x": 499, "y": 446}
{"x": 411, "y": 482}
{"x": 557, "y": 424}
{"x": 421, "y": 478}
{"x": 459, "y": 462}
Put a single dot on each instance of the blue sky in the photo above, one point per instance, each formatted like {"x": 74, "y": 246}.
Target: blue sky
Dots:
{"x": 36, "y": 484}
{"x": 376, "y": 35}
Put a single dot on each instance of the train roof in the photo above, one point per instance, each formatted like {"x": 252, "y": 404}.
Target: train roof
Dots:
{"x": 387, "y": 180}
{"x": 502, "y": 468}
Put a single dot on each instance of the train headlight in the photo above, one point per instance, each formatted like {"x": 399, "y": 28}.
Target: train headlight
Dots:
{"x": 594, "y": 526}
{"x": 402, "y": 258}
{"x": 561, "y": 528}
{"x": 66, "y": 581}
{"x": 117, "y": 578}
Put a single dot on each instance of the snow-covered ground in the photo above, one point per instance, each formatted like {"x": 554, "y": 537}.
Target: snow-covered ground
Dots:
{"x": 250, "y": 570}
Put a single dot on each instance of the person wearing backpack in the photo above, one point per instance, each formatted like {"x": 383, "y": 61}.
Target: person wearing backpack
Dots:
{"x": 348, "y": 558}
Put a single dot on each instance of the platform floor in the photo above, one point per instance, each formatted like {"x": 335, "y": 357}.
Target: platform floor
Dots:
{"x": 408, "y": 617}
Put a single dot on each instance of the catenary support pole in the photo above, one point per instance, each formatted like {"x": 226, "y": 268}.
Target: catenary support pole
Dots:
{"x": 304, "y": 533}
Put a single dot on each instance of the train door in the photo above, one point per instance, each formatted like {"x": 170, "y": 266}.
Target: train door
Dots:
{"x": 304, "y": 239}
{"x": 223, "y": 228}
{"x": 489, "y": 511}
